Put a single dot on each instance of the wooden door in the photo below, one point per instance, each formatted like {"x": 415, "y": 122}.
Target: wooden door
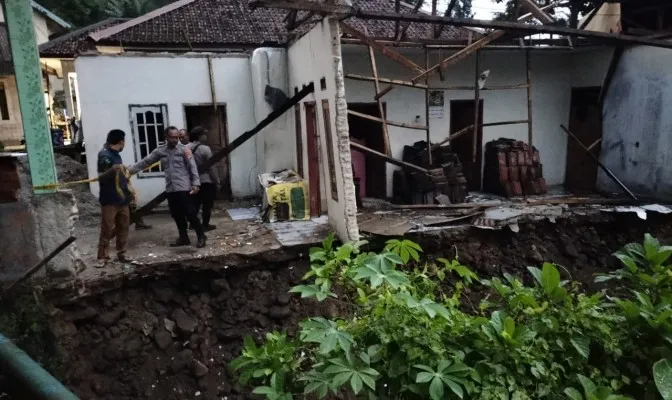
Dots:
{"x": 461, "y": 116}
{"x": 313, "y": 159}
{"x": 585, "y": 122}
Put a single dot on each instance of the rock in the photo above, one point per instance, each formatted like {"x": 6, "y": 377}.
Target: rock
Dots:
{"x": 228, "y": 335}
{"x": 195, "y": 305}
{"x": 83, "y": 314}
{"x": 132, "y": 346}
{"x": 163, "y": 339}
{"x": 220, "y": 285}
{"x": 114, "y": 349}
{"x": 224, "y": 388}
{"x": 284, "y": 298}
{"x": 536, "y": 256}
{"x": 570, "y": 250}
{"x": 198, "y": 369}
{"x": 262, "y": 320}
{"x": 61, "y": 328}
{"x": 110, "y": 318}
{"x": 279, "y": 312}
{"x": 182, "y": 360}
{"x": 184, "y": 323}
{"x": 163, "y": 292}
{"x": 95, "y": 336}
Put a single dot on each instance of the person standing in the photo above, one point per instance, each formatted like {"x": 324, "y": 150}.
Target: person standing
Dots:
{"x": 182, "y": 184}
{"x": 206, "y": 196}
{"x": 115, "y": 198}
{"x": 184, "y": 137}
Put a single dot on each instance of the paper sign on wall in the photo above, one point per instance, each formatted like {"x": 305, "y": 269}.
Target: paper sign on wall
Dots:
{"x": 435, "y": 104}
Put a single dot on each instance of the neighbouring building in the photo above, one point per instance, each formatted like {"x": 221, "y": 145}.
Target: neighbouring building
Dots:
{"x": 46, "y": 25}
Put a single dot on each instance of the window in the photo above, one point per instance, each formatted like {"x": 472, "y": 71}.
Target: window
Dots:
{"x": 4, "y": 108}
{"x": 330, "y": 150}
{"x": 148, "y": 123}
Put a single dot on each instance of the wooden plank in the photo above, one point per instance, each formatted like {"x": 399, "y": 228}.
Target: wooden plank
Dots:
{"x": 477, "y": 103}
{"x": 462, "y": 54}
{"x": 503, "y": 87}
{"x": 393, "y": 123}
{"x": 429, "y": 141}
{"x": 381, "y": 110}
{"x": 538, "y": 13}
{"x": 388, "y": 159}
{"x": 449, "y": 11}
{"x": 365, "y": 78}
{"x": 454, "y": 136}
{"x": 528, "y": 71}
{"x": 520, "y": 121}
{"x": 397, "y": 9}
{"x": 392, "y": 54}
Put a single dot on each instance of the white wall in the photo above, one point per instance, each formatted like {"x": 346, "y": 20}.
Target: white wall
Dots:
{"x": 553, "y": 74}
{"x": 314, "y": 56}
{"x": 108, "y": 84}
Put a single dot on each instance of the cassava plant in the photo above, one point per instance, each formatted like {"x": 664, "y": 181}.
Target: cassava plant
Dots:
{"x": 407, "y": 334}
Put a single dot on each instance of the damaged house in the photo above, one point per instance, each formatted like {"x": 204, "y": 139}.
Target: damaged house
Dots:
{"x": 374, "y": 90}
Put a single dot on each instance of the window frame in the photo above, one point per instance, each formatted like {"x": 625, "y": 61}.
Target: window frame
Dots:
{"x": 134, "y": 109}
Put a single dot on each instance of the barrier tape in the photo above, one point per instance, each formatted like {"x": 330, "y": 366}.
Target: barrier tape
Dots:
{"x": 52, "y": 186}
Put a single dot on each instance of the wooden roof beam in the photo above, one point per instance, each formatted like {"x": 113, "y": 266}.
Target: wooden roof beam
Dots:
{"x": 538, "y": 13}
{"x": 405, "y": 25}
{"x": 449, "y": 11}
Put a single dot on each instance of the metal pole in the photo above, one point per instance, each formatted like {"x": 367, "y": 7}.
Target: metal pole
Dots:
{"x": 28, "y": 375}
{"x": 597, "y": 160}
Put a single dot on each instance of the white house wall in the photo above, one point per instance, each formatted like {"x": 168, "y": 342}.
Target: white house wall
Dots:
{"x": 314, "y": 56}
{"x": 553, "y": 74}
{"x": 109, "y": 84}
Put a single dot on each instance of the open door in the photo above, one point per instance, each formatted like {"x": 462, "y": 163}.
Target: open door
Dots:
{"x": 585, "y": 122}
{"x": 461, "y": 116}
{"x": 313, "y": 159}
{"x": 371, "y": 171}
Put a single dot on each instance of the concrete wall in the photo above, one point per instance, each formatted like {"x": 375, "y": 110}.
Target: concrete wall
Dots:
{"x": 316, "y": 56}
{"x": 553, "y": 75}
{"x": 637, "y": 145}
{"x": 109, "y": 84}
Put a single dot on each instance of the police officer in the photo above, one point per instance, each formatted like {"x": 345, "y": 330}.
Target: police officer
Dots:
{"x": 182, "y": 184}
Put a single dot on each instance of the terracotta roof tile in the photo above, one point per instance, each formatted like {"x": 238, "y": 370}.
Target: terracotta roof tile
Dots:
{"x": 68, "y": 45}
{"x": 6, "y": 66}
{"x": 226, "y": 23}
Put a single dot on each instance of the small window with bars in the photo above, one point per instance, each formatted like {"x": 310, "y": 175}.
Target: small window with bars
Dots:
{"x": 148, "y": 124}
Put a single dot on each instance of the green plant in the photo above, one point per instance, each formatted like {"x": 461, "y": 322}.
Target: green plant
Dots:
{"x": 408, "y": 335}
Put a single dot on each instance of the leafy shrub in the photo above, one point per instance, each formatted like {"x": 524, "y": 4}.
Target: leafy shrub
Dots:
{"x": 413, "y": 334}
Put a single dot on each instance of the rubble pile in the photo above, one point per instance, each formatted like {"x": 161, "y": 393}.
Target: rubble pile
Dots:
{"x": 69, "y": 170}
{"x": 513, "y": 168}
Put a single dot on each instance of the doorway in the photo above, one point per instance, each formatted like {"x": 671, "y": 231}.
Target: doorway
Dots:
{"x": 371, "y": 171}
{"x": 214, "y": 121}
{"x": 585, "y": 122}
{"x": 461, "y": 116}
{"x": 313, "y": 160}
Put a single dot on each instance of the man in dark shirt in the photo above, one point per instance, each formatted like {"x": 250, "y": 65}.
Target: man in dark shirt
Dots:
{"x": 115, "y": 197}
{"x": 206, "y": 196}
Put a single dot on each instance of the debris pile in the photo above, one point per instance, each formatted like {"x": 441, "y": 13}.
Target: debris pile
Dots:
{"x": 69, "y": 170}
{"x": 513, "y": 168}
{"x": 444, "y": 177}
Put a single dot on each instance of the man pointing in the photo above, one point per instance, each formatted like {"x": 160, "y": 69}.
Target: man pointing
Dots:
{"x": 182, "y": 183}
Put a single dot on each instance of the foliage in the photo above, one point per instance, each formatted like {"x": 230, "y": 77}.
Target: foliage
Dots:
{"x": 461, "y": 9}
{"x": 413, "y": 331}
{"x": 573, "y": 9}
{"x": 82, "y": 13}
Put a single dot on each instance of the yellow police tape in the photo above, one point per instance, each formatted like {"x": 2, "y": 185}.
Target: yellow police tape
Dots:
{"x": 53, "y": 186}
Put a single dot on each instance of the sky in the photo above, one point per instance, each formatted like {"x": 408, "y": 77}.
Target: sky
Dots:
{"x": 485, "y": 9}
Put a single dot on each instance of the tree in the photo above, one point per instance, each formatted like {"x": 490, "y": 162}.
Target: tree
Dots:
{"x": 461, "y": 8}
{"x": 573, "y": 10}
{"x": 86, "y": 12}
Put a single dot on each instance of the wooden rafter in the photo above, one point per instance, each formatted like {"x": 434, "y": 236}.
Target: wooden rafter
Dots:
{"x": 477, "y": 104}
{"x": 365, "y": 78}
{"x": 538, "y": 13}
{"x": 290, "y": 19}
{"x": 462, "y": 54}
{"x": 393, "y": 123}
{"x": 526, "y": 29}
{"x": 397, "y": 9}
{"x": 386, "y": 50}
{"x": 381, "y": 109}
{"x": 405, "y": 25}
{"x": 388, "y": 159}
{"x": 528, "y": 70}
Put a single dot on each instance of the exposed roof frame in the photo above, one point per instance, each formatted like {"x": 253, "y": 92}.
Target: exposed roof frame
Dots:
{"x": 527, "y": 29}
{"x": 44, "y": 11}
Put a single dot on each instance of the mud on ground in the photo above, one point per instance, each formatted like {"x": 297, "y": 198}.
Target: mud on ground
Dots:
{"x": 171, "y": 339}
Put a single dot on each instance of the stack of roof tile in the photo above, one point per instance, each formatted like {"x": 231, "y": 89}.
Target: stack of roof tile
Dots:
{"x": 513, "y": 168}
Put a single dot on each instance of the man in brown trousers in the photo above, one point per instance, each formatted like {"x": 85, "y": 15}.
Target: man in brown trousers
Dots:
{"x": 115, "y": 197}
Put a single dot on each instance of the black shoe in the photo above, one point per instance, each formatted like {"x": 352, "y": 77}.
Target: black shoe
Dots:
{"x": 181, "y": 242}
{"x": 208, "y": 228}
{"x": 201, "y": 242}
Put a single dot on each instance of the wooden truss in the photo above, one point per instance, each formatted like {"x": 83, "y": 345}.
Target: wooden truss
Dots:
{"x": 420, "y": 79}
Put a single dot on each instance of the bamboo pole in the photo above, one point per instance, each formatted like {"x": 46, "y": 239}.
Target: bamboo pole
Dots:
{"x": 381, "y": 110}
{"x": 388, "y": 159}
{"x": 454, "y": 135}
{"x": 529, "y": 97}
{"x": 520, "y": 121}
{"x": 393, "y": 123}
{"x": 429, "y": 142}
{"x": 477, "y": 102}
{"x": 365, "y": 78}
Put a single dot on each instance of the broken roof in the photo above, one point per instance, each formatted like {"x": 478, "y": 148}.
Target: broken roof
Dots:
{"x": 194, "y": 24}
{"x": 6, "y": 66}
{"x": 68, "y": 45}
{"x": 55, "y": 18}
